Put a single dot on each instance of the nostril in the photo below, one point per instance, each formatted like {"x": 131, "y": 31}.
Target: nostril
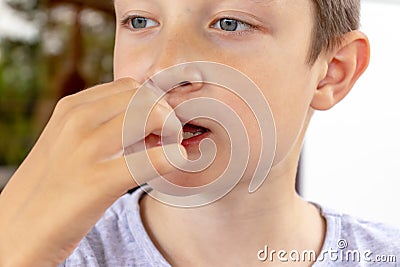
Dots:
{"x": 189, "y": 86}
{"x": 187, "y": 76}
{"x": 184, "y": 83}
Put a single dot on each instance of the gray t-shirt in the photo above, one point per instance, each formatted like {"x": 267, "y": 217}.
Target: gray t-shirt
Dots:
{"x": 119, "y": 239}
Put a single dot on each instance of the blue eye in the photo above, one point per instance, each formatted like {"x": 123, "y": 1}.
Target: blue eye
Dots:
{"x": 141, "y": 22}
{"x": 231, "y": 25}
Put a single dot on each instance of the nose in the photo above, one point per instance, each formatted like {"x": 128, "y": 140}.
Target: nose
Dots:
{"x": 177, "y": 47}
{"x": 187, "y": 77}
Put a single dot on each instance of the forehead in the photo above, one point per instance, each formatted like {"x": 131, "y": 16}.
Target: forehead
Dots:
{"x": 213, "y": 2}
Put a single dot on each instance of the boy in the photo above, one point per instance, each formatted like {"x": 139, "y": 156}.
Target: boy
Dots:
{"x": 304, "y": 55}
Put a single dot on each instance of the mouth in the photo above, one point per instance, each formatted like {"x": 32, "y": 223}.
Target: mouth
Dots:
{"x": 193, "y": 134}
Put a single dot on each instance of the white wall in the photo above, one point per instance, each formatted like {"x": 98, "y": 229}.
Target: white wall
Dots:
{"x": 352, "y": 152}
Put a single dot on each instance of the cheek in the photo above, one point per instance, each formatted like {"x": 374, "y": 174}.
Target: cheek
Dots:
{"x": 130, "y": 60}
{"x": 289, "y": 100}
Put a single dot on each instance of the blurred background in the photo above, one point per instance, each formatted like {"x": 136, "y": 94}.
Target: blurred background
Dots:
{"x": 351, "y": 157}
{"x": 48, "y": 49}
{"x": 351, "y": 161}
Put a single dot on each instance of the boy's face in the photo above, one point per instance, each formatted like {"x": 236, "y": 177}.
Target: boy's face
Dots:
{"x": 268, "y": 40}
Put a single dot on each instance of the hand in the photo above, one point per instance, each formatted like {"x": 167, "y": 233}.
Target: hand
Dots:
{"x": 74, "y": 173}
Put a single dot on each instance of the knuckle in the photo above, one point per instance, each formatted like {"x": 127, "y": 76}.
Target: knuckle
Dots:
{"x": 148, "y": 94}
{"x": 127, "y": 82}
{"x": 76, "y": 118}
{"x": 158, "y": 112}
{"x": 64, "y": 104}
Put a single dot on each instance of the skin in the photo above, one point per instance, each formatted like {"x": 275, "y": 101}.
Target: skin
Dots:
{"x": 76, "y": 169}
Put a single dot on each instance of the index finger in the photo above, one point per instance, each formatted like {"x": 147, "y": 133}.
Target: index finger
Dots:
{"x": 102, "y": 91}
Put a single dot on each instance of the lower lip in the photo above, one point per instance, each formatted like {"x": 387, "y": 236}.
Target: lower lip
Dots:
{"x": 194, "y": 141}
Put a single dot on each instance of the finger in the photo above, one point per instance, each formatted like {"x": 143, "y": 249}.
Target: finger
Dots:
{"x": 158, "y": 118}
{"x": 138, "y": 105}
{"x": 89, "y": 116}
{"x": 123, "y": 131}
{"x": 139, "y": 168}
{"x": 98, "y": 92}
{"x": 107, "y": 89}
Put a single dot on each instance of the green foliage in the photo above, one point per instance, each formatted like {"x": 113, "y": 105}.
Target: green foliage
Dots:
{"x": 19, "y": 88}
{"x": 31, "y": 76}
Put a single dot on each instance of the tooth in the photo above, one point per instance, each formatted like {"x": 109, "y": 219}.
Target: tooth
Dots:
{"x": 187, "y": 135}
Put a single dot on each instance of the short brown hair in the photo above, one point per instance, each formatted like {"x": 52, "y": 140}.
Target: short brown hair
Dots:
{"x": 333, "y": 19}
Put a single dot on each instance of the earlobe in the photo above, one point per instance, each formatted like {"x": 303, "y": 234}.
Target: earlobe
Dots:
{"x": 345, "y": 63}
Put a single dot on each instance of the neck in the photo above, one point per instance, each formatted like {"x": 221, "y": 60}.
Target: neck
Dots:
{"x": 240, "y": 223}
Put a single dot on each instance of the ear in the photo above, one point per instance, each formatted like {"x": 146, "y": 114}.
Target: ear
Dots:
{"x": 345, "y": 63}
